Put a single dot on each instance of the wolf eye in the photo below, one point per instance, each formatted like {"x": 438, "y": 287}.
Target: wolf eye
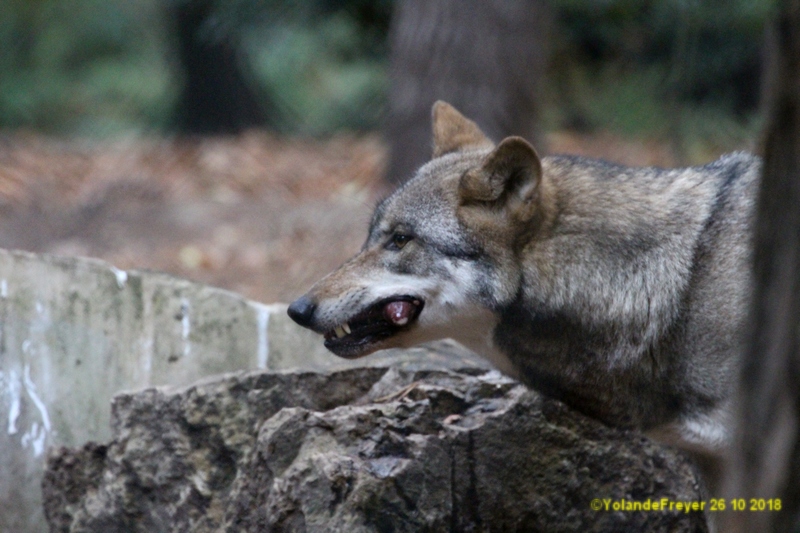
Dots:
{"x": 398, "y": 241}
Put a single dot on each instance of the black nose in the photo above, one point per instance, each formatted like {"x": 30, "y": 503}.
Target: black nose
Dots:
{"x": 302, "y": 310}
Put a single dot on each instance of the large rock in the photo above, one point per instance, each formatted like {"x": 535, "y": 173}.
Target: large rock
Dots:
{"x": 76, "y": 331}
{"x": 361, "y": 450}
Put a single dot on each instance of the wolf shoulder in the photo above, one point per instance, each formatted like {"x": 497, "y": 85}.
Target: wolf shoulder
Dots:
{"x": 590, "y": 190}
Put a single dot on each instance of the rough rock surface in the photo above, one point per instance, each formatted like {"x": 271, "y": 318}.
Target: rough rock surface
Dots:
{"x": 361, "y": 450}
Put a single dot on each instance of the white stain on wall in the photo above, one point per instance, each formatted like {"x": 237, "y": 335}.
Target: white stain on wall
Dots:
{"x": 36, "y": 434}
{"x": 12, "y": 386}
{"x": 186, "y": 327}
{"x": 262, "y": 325}
{"x": 121, "y": 275}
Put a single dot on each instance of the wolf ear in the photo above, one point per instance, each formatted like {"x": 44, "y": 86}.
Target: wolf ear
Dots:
{"x": 452, "y": 131}
{"x": 509, "y": 176}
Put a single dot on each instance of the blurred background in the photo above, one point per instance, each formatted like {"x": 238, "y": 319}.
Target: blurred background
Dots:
{"x": 244, "y": 142}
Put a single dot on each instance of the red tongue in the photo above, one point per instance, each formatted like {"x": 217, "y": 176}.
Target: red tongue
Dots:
{"x": 398, "y": 312}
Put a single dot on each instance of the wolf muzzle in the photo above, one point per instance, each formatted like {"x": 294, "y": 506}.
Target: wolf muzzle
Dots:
{"x": 363, "y": 332}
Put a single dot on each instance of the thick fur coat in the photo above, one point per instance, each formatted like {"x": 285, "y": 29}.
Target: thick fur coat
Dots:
{"x": 621, "y": 291}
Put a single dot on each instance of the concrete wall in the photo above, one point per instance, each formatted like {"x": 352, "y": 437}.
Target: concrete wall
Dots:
{"x": 75, "y": 331}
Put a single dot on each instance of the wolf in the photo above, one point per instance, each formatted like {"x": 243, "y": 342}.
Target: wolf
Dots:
{"x": 620, "y": 291}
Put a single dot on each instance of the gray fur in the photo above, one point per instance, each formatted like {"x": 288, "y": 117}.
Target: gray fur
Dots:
{"x": 621, "y": 291}
{"x": 643, "y": 284}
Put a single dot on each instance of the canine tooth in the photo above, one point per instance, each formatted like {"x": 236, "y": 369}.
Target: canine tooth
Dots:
{"x": 346, "y": 328}
{"x": 340, "y": 331}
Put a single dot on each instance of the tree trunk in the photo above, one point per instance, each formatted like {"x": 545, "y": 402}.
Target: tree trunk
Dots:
{"x": 216, "y": 96}
{"x": 486, "y": 57}
{"x": 766, "y": 460}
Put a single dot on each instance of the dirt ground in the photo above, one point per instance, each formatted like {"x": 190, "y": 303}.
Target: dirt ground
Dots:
{"x": 257, "y": 214}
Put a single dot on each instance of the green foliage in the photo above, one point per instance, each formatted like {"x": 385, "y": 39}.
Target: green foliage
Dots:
{"x": 104, "y": 66}
{"x": 323, "y": 63}
{"x": 641, "y": 67}
{"x": 653, "y": 67}
{"x": 319, "y": 76}
{"x": 83, "y": 67}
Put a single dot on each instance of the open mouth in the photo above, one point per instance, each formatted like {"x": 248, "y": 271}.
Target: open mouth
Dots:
{"x": 379, "y": 321}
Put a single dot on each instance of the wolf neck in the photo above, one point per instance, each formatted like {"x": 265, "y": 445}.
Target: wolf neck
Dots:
{"x": 487, "y": 349}
{"x": 602, "y": 289}
{"x": 618, "y": 255}
{"x": 477, "y": 334}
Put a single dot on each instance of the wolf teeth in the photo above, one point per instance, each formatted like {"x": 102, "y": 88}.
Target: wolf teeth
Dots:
{"x": 346, "y": 328}
{"x": 339, "y": 330}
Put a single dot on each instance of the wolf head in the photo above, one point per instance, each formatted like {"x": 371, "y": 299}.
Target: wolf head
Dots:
{"x": 441, "y": 252}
